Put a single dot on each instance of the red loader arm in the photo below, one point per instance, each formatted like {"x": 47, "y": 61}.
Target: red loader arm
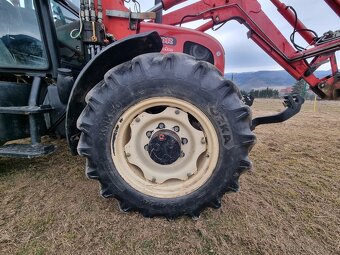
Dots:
{"x": 265, "y": 34}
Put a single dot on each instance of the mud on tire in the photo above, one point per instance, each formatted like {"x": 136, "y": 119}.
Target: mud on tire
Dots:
{"x": 176, "y": 80}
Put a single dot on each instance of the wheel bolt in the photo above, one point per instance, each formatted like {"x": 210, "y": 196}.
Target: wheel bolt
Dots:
{"x": 153, "y": 180}
{"x": 146, "y": 147}
{"x": 203, "y": 140}
{"x": 177, "y": 112}
{"x": 127, "y": 154}
{"x": 176, "y": 128}
{"x": 184, "y": 141}
{"x": 149, "y": 134}
{"x": 137, "y": 119}
{"x": 182, "y": 154}
{"x": 161, "y": 125}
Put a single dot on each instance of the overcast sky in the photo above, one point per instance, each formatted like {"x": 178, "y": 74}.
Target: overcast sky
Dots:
{"x": 243, "y": 55}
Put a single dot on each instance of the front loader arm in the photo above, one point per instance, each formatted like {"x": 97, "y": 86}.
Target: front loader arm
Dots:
{"x": 265, "y": 34}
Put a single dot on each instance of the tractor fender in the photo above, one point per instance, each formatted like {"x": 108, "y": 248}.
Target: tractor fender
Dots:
{"x": 94, "y": 71}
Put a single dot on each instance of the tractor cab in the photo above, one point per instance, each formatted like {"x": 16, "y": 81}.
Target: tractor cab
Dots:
{"x": 38, "y": 45}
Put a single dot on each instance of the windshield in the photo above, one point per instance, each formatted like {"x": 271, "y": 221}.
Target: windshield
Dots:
{"x": 20, "y": 39}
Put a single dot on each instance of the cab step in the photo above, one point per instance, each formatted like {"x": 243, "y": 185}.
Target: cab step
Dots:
{"x": 26, "y": 150}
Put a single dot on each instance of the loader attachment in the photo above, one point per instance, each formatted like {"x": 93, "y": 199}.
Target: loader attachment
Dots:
{"x": 293, "y": 104}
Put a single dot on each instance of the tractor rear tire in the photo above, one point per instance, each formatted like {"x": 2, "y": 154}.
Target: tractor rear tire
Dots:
{"x": 166, "y": 135}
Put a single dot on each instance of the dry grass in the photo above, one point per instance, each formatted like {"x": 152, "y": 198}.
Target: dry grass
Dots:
{"x": 290, "y": 204}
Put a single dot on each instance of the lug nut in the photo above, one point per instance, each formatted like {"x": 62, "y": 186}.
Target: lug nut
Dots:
{"x": 153, "y": 180}
{"x": 149, "y": 134}
{"x": 127, "y": 154}
{"x": 146, "y": 147}
{"x": 177, "y": 112}
{"x": 161, "y": 125}
{"x": 203, "y": 140}
{"x": 184, "y": 141}
{"x": 182, "y": 154}
{"x": 176, "y": 128}
{"x": 189, "y": 174}
{"x": 137, "y": 119}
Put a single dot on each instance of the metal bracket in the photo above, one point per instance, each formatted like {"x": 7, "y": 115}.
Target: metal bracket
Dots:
{"x": 131, "y": 15}
{"x": 293, "y": 104}
{"x": 134, "y": 17}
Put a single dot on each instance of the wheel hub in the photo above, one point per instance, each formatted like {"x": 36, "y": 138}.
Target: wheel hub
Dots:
{"x": 164, "y": 147}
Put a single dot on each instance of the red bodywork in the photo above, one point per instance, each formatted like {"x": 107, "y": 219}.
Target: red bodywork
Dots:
{"x": 300, "y": 64}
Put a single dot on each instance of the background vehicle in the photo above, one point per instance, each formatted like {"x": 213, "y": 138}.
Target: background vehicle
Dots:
{"x": 165, "y": 134}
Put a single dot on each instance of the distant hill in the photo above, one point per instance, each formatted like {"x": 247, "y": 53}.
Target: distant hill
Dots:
{"x": 263, "y": 79}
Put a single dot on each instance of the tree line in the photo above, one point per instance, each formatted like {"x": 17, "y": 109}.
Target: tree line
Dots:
{"x": 300, "y": 87}
{"x": 262, "y": 93}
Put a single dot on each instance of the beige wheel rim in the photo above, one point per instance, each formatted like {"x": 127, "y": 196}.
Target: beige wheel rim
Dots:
{"x": 199, "y": 148}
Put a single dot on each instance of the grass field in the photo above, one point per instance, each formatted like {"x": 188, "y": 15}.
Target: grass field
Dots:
{"x": 289, "y": 204}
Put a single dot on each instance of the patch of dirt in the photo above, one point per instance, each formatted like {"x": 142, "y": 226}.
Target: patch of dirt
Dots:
{"x": 289, "y": 204}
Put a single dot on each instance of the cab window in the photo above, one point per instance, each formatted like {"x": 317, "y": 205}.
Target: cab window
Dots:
{"x": 21, "y": 45}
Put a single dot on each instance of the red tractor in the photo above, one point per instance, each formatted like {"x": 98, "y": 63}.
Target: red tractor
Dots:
{"x": 142, "y": 98}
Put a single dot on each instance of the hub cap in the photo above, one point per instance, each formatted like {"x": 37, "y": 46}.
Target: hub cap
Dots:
{"x": 164, "y": 147}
